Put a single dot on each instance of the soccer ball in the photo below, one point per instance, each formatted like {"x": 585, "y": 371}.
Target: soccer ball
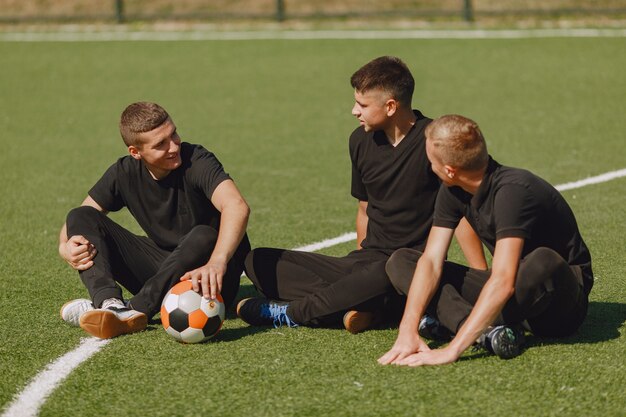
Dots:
{"x": 189, "y": 317}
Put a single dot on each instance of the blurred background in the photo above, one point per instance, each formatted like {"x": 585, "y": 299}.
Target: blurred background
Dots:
{"x": 312, "y": 13}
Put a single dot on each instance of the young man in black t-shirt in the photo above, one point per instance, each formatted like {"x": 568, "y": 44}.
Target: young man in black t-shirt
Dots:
{"x": 541, "y": 271}
{"x": 193, "y": 215}
{"x": 396, "y": 190}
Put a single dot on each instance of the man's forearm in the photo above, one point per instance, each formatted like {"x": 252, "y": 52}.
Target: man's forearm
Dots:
{"x": 233, "y": 223}
{"x": 471, "y": 245}
{"x": 489, "y": 305}
{"x": 63, "y": 235}
{"x": 423, "y": 287}
{"x": 495, "y": 293}
{"x": 361, "y": 223}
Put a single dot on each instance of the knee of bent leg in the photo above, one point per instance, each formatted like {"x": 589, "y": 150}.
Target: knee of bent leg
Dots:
{"x": 540, "y": 266}
{"x": 201, "y": 236}
{"x": 248, "y": 263}
{"x": 400, "y": 268}
{"x": 83, "y": 213}
{"x": 262, "y": 261}
{"x": 544, "y": 261}
{"x": 196, "y": 246}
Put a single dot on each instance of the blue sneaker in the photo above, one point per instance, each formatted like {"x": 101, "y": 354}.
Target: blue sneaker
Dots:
{"x": 430, "y": 328}
{"x": 504, "y": 341}
{"x": 259, "y": 311}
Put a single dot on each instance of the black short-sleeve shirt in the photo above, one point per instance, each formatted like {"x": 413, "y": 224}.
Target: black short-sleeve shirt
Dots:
{"x": 169, "y": 208}
{"x": 512, "y": 202}
{"x": 398, "y": 185}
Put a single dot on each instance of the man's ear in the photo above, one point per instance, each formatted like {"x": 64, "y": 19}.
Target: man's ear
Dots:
{"x": 391, "y": 106}
{"x": 134, "y": 152}
{"x": 450, "y": 171}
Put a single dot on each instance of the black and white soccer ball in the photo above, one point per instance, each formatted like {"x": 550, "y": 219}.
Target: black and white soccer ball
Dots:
{"x": 190, "y": 318}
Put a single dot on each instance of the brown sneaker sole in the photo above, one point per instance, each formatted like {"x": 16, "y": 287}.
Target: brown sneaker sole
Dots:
{"x": 105, "y": 324}
{"x": 357, "y": 321}
{"x": 239, "y": 305}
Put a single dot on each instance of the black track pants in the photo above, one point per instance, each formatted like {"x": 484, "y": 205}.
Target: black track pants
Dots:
{"x": 143, "y": 268}
{"x": 319, "y": 287}
{"x": 548, "y": 292}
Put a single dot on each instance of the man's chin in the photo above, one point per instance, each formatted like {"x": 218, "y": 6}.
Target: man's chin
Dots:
{"x": 177, "y": 163}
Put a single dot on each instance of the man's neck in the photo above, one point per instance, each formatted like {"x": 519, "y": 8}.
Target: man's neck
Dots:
{"x": 400, "y": 126}
{"x": 470, "y": 181}
{"x": 155, "y": 173}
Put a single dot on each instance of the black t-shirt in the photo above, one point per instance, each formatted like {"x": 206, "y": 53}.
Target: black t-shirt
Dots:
{"x": 398, "y": 185}
{"x": 169, "y": 208}
{"x": 512, "y": 202}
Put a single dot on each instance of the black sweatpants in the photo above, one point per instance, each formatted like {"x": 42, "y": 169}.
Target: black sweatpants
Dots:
{"x": 549, "y": 293}
{"x": 143, "y": 268}
{"x": 320, "y": 288}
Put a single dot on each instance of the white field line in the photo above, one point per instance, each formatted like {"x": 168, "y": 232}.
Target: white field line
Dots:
{"x": 592, "y": 180}
{"x": 84, "y": 36}
{"x": 28, "y": 402}
{"x": 346, "y": 237}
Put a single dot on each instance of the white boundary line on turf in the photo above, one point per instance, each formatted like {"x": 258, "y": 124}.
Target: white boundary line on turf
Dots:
{"x": 28, "y": 402}
{"x": 592, "y": 180}
{"x": 346, "y": 237}
{"x": 112, "y": 36}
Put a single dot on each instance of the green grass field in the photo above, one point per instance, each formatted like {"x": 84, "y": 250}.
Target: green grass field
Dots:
{"x": 277, "y": 113}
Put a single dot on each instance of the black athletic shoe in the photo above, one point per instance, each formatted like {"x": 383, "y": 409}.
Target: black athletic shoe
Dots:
{"x": 504, "y": 341}
{"x": 263, "y": 312}
{"x": 430, "y": 328}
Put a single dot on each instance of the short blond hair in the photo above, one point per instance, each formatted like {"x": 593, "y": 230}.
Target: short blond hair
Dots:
{"x": 138, "y": 118}
{"x": 458, "y": 142}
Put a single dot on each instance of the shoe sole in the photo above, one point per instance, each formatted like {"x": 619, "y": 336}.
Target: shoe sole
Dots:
{"x": 106, "y": 324}
{"x": 239, "y": 305}
{"x": 357, "y": 321}
{"x": 251, "y": 322}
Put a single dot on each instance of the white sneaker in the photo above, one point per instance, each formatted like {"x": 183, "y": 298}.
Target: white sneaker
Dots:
{"x": 72, "y": 310}
{"x": 112, "y": 321}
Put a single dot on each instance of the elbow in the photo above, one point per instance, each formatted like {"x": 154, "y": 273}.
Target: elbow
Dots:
{"x": 506, "y": 290}
{"x": 245, "y": 209}
{"x": 510, "y": 290}
{"x": 502, "y": 290}
{"x": 237, "y": 208}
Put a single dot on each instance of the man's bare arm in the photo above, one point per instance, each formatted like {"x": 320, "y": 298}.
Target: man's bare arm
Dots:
{"x": 361, "y": 223}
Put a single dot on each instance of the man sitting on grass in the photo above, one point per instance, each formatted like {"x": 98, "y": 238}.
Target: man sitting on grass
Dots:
{"x": 541, "y": 271}
{"x": 396, "y": 191}
{"x": 192, "y": 212}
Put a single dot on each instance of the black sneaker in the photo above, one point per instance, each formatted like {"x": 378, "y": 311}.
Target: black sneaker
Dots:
{"x": 504, "y": 341}
{"x": 263, "y": 312}
{"x": 430, "y": 328}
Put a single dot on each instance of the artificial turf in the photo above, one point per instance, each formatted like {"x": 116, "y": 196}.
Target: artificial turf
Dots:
{"x": 277, "y": 114}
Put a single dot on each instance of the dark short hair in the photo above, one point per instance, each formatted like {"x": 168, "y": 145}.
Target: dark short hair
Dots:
{"x": 138, "y": 118}
{"x": 387, "y": 73}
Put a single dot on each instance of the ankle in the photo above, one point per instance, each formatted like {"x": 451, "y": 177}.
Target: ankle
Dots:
{"x": 113, "y": 302}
